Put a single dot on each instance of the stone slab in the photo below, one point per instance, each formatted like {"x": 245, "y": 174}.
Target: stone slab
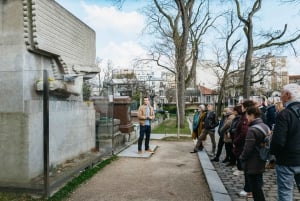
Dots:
{"x": 132, "y": 151}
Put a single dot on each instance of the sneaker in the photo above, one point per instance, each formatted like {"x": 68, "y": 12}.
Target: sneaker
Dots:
{"x": 243, "y": 193}
{"x": 149, "y": 151}
{"x": 140, "y": 152}
{"x": 234, "y": 168}
{"x": 238, "y": 172}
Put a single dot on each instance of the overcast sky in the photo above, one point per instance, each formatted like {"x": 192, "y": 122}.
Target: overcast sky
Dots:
{"x": 118, "y": 32}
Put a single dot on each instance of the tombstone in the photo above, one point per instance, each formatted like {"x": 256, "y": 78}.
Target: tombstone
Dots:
{"x": 122, "y": 111}
{"x": 109, "y": 138}
{"x": 41, "y": 35}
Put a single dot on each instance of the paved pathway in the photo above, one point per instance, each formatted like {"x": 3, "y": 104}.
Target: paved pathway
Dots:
{"x": 170, "y": 174}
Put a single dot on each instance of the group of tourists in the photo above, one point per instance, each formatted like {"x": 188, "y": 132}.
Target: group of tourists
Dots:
{"x": 243, "y": 130}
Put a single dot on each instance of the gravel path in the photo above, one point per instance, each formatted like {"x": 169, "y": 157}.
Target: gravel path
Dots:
{"x": 170, "y": 174}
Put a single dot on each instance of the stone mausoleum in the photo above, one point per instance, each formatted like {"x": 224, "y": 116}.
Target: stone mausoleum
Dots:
{"x": 37, "y": 35}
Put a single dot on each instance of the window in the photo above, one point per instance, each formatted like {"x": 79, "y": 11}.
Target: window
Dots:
{"x": 207, "y": 99}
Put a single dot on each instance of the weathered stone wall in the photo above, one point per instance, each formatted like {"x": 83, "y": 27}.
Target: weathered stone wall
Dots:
{"x": 52, "y": 29}
{"x": 51, "y": 39}
{"x": 11, "y": 56}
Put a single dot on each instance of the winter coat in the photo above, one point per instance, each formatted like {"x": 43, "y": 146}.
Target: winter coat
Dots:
{"x": 210, "y": 117}
{"x": 227, "y": 123}
{"x": 222, "y": 121}
{"x": 250, "y": 156}
{"x": 142, "y": 114}
{"x": 200, "y": 125}
{"x": 285, "y": 143}
{"x": 270, "y": 116}
{"x": 240, "y": 135}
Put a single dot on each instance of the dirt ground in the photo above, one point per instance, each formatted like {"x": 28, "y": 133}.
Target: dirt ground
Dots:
{"x": 172, "y": 173}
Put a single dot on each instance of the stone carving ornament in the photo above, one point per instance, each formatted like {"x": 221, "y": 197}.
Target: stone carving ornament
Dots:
{"x": 52, "y": 31}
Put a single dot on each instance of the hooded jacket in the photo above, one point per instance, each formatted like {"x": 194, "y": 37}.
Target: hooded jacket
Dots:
{"x": 250, "y": 155}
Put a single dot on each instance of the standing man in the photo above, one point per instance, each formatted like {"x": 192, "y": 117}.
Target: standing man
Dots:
{"x": 285, "y": 143}
{"x": 210, "y": 123}
{"x": 145, "y": 115}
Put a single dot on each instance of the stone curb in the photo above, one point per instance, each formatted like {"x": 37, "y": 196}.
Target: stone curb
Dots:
{"x": 216, "y": 186}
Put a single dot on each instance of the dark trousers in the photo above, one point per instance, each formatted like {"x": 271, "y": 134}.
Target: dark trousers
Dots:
{"x": 256, "y": 184}
{"x": 247, "y": 186}
{"x": 220, "y": 147}
{"x": 144, "y": 130}
{"x": 229, "y": 153}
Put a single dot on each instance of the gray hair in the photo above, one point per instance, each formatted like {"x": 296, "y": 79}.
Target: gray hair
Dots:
{"x": 202, "y": 107}
{"x": 294, "y": 90}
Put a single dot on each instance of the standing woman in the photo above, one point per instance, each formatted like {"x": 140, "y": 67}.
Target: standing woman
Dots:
{"x": 229, "y": 136}
{"x": 198, "y": 126}
{"x": 253, "y": 165}
{"x": 239, "y": 142}
{"x": 195, "y": 123}
{"x": 224, "y": 125}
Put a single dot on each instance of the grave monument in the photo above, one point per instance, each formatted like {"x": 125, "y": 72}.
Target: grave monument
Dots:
{"x": 37, "y": 35}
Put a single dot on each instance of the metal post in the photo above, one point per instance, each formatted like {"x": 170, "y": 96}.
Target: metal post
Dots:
{"x": 113, "y": 120}
{"x": 46, "y": 131}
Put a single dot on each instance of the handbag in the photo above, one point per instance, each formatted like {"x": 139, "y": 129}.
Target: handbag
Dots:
{"x": 227, "y": 138}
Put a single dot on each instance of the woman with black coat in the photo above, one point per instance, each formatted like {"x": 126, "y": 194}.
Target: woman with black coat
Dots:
{"x": 253, "y": 165}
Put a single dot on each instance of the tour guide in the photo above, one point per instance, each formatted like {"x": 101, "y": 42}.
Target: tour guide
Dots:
{"x": 145, "y": 115}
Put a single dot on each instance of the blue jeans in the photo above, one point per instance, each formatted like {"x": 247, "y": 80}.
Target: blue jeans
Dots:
{"x": 144, "y": 130}
{"x": 285, "y": 181}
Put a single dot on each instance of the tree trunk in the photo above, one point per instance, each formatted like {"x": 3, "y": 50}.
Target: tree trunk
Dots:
{"x": 180, "y": 98}
{"x": 248, "y": 61}
{"x": 247, "y": 75}
{"x": 220, "y": 100}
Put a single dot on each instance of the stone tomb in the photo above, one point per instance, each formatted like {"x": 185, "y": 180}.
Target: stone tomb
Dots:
{"x": 39, "y": 35}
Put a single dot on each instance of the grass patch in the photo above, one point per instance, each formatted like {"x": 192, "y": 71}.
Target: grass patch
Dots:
{"x": 72, "y": 185}
{"x": 65, "y": 191}
{"x": 168, "y": 126}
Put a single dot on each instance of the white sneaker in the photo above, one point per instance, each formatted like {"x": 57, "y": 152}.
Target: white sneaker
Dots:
{"x": 238, "y": 173}
{"x": 234, "y": 168}
{"x": 243, "y": 193}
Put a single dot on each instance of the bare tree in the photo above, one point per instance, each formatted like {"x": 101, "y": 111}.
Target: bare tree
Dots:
{"x": 272, "y": 39}
{"x": 104, "y": 76}
{"x": 178, "y": 26}
{"x": 224, "y": 56}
